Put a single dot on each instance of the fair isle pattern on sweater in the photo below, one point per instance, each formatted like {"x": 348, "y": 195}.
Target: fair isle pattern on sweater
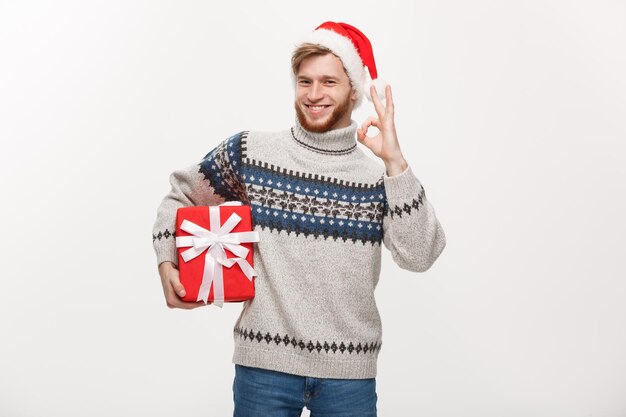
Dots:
{"x": 286, "y": 201}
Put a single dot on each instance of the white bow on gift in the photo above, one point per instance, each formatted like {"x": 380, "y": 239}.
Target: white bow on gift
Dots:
{"x": 214, "y": 241}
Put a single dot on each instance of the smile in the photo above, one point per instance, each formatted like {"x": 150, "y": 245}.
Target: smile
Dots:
{"x": 316, "y": 108}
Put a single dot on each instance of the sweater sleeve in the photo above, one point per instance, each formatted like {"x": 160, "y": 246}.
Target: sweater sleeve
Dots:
{"x": 212, "y": 181}
{"x": 411, "y": 230}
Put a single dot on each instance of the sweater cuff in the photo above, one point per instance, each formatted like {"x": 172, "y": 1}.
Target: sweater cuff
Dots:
{"x": 166, "y": 253}
{"x": 402, "y": 186}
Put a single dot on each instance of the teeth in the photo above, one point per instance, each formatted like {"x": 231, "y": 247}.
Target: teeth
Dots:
{"x": 317, "y": 108}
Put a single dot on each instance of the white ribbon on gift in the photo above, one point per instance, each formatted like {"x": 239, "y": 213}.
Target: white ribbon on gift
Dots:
{"x": 214, "y": 242}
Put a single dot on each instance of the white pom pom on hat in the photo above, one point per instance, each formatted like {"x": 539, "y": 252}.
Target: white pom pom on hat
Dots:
{"x": 380, "y": 89}
{"x": 355, "y": 52}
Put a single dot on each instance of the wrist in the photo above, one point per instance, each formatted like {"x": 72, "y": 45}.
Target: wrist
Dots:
{"x": 396, "y": 166}
{"x": 167, "y": 265}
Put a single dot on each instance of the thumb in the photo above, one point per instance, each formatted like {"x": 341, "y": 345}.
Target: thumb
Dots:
{"x": 176, "y": 285}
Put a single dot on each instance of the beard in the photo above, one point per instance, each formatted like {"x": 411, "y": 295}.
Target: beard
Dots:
{"x": 321, "y": 126}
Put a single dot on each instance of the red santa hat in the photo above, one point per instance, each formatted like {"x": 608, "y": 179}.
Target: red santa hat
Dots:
{"x": 355, "y": 52}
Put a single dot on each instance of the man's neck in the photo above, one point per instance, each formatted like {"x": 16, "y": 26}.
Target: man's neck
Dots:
{"x": 337, "y": 141}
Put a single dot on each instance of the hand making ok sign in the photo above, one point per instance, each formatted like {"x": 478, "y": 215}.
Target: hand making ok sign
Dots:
{"x": 385, "y": 144}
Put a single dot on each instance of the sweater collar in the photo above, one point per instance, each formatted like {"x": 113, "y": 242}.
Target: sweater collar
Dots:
{"x": 333, "y": 142}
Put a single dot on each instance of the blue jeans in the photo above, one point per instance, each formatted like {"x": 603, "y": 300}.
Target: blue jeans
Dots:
{"x": 264, "y": 393}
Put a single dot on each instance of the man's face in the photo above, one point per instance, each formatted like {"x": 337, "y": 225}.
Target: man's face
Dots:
{"x": 324, "y": 96}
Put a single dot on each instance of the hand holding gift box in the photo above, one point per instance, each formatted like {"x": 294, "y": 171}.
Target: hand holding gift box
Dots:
{"x": 215, "y": 256}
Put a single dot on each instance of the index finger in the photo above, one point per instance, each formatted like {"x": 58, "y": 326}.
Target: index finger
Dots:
{"x": 380, "y": 109}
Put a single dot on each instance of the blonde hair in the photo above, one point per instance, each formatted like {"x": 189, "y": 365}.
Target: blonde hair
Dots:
{"x": 307, "y": 50}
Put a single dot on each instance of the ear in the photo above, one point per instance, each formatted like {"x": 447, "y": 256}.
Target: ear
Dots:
{"x": 353, "y": 95}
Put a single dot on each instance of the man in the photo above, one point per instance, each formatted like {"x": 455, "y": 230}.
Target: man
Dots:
{"x": 312, "y": 334}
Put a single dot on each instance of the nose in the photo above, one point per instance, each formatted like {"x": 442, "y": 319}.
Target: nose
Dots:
{"x": 315, "y": 92}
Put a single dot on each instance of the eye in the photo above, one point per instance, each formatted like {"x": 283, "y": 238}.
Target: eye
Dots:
{"x": 304, "y": 82}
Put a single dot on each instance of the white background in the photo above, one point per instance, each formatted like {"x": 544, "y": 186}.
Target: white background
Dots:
{"x": 511, "y": 113}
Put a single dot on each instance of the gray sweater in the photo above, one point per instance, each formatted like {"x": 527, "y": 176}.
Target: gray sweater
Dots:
{"x": 322, "y": 208}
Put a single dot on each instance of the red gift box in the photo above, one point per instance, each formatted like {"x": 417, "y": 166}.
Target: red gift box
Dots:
{"x": 214, "y": 245}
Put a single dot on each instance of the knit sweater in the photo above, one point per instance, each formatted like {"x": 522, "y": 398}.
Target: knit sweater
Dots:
{"x": 322, "y": 209}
